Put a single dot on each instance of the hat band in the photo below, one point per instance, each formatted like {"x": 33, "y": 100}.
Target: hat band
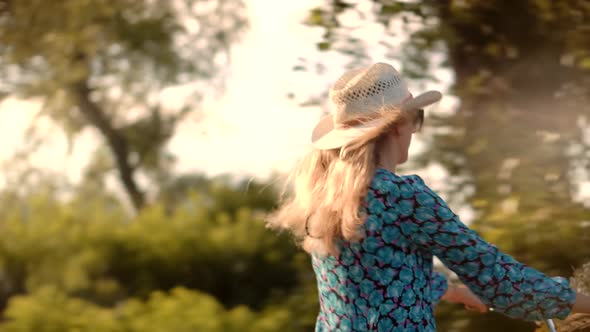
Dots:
{"x": 356, "y": 122}
{"x": 363, "y": 119}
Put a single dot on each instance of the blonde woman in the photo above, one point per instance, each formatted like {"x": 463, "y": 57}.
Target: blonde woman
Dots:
{"x": 372, "y": 233}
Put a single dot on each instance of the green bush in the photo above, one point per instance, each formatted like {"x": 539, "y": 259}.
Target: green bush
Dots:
{"x": 99, "y": 254}
{"x": 85, "y": 265}
{"x": 181, "y": 310}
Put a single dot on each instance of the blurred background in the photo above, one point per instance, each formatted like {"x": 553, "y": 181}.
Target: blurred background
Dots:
{"x": 143, "y": 142}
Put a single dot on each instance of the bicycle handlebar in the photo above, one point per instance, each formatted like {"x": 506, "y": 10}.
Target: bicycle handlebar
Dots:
{"x": 551, "y": 325}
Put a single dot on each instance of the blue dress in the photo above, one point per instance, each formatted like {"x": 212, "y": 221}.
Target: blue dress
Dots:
{"x": 386, "y": 282}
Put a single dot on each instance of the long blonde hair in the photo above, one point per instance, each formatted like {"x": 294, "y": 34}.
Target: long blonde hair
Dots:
{"x": 329, "y": 187}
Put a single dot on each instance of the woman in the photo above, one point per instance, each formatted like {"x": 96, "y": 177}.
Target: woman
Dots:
{"x": 372, "y": 233}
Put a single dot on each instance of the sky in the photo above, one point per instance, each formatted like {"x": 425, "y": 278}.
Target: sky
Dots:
{"x": 253, "y": 128}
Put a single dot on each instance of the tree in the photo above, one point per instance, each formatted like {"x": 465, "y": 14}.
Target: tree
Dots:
{"x": 102, "y": 64}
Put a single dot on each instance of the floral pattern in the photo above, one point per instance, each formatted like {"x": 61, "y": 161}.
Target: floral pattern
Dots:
{"x": 386, "y": 282}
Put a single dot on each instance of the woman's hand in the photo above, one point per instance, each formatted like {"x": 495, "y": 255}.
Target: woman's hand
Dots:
{"x": 462, "y": 294}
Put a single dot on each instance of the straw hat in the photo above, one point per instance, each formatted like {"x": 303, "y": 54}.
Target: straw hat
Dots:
{"x": 361, "y": 94}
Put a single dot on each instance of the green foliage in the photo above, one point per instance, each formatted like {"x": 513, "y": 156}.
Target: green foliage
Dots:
{"x": 50, "y": 310}
{"x": 218, "y": 194}
{"x": 96, "y": 253}
{"x": 86, "y": 265}
{"x": 126, "y": 44}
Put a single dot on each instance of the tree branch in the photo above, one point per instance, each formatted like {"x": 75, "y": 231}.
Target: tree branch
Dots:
{"x": 116, "y": 141}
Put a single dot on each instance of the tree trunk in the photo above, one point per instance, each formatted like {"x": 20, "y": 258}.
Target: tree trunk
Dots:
{"x": 115, "y": 140}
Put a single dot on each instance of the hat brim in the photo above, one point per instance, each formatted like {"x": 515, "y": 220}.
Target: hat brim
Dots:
{"x": 325, "y": 136}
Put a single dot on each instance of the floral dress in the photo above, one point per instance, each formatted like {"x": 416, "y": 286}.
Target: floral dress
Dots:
{"x": 386, "y": 281}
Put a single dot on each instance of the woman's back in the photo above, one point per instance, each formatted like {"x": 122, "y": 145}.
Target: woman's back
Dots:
{"x": 386, "y": 282}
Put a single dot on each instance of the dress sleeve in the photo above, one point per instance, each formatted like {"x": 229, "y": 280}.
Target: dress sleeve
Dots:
{"x": 438, "y": 286}
{"x": 500, "y": 281}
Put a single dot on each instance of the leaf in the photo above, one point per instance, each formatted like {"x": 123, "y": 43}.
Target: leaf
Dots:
{"x": 323, "y": 46}
{"x": 392, "y": 9}
{"x": 585, "y": 63}
{"x": 316, "y": 17}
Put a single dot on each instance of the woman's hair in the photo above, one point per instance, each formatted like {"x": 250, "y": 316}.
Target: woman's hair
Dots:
{"x": 329, "y": 187}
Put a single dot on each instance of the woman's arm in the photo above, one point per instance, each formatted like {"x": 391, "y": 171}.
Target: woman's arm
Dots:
{"x": 422, "y": 218}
